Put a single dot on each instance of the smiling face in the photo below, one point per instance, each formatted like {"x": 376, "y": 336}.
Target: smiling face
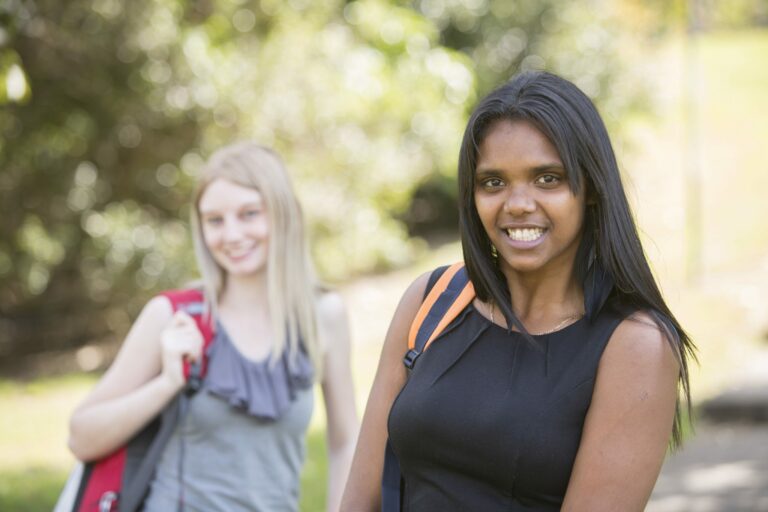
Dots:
{"x": 524, "y": 200}
{"x": 235, "y": 227}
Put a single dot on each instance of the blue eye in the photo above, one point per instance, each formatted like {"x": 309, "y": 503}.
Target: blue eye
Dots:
{"x": 249, "y": 214}
{"x": 213, "y": 221}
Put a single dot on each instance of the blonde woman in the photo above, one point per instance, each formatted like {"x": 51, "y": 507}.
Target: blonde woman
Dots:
{"x": 240, "y": 445}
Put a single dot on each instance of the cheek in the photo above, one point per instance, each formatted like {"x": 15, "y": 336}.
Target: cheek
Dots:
{"x": 572, "y": 214}
{"x": 486, "y": 211}
{"x": 211, "y": 237}
{"x": 261, "y": 228}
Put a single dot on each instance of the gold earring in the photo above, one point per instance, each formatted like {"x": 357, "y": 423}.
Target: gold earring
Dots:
{"x": 494, "y": 252}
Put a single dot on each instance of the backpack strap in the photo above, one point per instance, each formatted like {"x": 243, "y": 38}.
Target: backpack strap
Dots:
{"x": 125, "y": 475}
{"x": 452, "y": 292}
{"x": 134, "y": 491}
{"x": 449, "y": 291}
{"x": 192, "y": 302}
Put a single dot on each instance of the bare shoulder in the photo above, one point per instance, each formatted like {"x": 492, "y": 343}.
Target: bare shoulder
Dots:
{"x": 638, "y": 363}
{"x": 157, "y": 309}
{"x": 639, "y": 340}
{"x": 145, "y": 331}
{"x": 629, "y": 421}
{"x": 331, "y": 307}
{"x": 414, "y": 294}
{"x": 139, "y": 358}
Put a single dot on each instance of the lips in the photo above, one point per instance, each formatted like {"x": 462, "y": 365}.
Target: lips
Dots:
{"x": 240, "y": 253}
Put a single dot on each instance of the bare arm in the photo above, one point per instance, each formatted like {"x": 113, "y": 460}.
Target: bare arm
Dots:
{"x": 363, "y": 490}
{"x": 338, "y": 393}
{"x": 629, "y": 422}
{"x": 145, "y": 376}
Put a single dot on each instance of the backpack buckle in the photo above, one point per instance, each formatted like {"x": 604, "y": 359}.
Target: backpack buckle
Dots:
{"x": 106, "y": 501}
{"x": 410, "y": 358}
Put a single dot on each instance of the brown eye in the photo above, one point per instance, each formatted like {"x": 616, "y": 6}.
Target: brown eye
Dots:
{"x": 492, "y": 183}
{"x": 548, "y": 180}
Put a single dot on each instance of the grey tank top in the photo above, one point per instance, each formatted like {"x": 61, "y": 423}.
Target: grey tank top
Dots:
{"x": 242, "y": 442}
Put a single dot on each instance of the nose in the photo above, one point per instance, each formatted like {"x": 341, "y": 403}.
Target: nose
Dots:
{"x": 520, "y": 201}
{"x": 232, "y": 231}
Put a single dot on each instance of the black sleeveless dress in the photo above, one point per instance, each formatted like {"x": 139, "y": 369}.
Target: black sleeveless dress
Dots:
{"x": 489, "y": 422}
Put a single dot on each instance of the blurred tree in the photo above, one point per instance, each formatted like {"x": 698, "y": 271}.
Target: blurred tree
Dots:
{"x": 81, "y": 143}
{"x": 662, "y": 16}
{"x": 587, "y": 42}
{"x": 109, "y": 109}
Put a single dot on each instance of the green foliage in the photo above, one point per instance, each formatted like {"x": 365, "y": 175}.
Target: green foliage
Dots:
{"x": 111, "y": 108}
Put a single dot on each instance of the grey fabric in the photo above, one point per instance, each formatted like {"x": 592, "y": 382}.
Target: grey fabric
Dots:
{"x": 243, "y": 437}
{"x": 262, "y": 389}
{"x": 233, "y": 462}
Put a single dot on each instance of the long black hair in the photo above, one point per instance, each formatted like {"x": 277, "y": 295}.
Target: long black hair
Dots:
{"x": 610, "y": 261}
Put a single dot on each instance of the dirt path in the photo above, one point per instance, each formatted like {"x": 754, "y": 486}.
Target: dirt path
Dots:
{"x": 723, "y": 469}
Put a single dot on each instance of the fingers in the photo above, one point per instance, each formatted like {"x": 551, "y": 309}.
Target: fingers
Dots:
{"x": 182, "y": 318}
{"x": 182, "y": 337}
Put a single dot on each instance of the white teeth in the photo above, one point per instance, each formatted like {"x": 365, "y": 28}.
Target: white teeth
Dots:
{"x": 525, "y": 234}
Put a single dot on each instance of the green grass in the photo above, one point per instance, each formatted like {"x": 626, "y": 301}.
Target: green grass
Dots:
{"x": 31, "y": 489}
{"x": 34, "y": 461}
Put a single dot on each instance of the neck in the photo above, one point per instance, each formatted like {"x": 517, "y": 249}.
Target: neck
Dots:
{"x": 547, "y": 297}
{"x": 245, "y": 292}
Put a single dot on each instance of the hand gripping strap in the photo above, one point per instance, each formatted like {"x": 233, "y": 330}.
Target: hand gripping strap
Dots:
{"x": 451, "y": 294}
{"x": 121, "y": 479}
{"x": 192, "y": 302}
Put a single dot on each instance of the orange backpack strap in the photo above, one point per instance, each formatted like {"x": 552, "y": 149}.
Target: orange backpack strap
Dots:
{"x": 448, "y": 297}
{"x": 452, "y": 292}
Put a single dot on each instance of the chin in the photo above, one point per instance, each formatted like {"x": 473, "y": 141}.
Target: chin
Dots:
{"x": 523, "y": 265}
{"x": 244, "y": 268}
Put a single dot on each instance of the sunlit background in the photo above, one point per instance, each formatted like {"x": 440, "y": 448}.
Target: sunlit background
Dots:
{"x": 109, "y": 108}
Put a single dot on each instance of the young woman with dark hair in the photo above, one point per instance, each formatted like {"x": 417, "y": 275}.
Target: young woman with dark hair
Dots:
{"x": 557, "y": 387}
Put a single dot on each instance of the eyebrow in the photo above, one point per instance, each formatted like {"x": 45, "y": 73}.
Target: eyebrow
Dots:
{"x": 249, "y": 204}
{"x": 548, "y": 167}
{"x": 535, "y": 170}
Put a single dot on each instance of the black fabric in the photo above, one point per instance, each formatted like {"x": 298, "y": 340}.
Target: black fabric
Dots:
{"x": 489, "y": 422}
{"x": 391, "y": 481}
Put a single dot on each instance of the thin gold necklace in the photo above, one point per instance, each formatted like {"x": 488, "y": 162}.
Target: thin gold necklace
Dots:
{"x": 562, "y": 324}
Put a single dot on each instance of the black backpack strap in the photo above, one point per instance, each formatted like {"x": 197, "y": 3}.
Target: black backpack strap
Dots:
{"x": 135, "y": 491}
{"x": 450, "y": 294}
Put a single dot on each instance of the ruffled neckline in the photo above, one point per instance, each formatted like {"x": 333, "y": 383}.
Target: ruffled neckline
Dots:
{"x": 261, "y": 389}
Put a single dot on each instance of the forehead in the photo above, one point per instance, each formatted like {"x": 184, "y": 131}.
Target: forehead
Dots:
{"x": 517, "y": 143}
{"x": 223, "y": 194}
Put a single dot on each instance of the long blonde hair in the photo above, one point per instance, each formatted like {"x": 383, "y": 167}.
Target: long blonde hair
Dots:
{"x": 292, "y": 287}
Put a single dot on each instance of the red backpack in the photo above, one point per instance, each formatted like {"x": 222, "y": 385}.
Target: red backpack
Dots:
{"x": 120, "y": 481}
